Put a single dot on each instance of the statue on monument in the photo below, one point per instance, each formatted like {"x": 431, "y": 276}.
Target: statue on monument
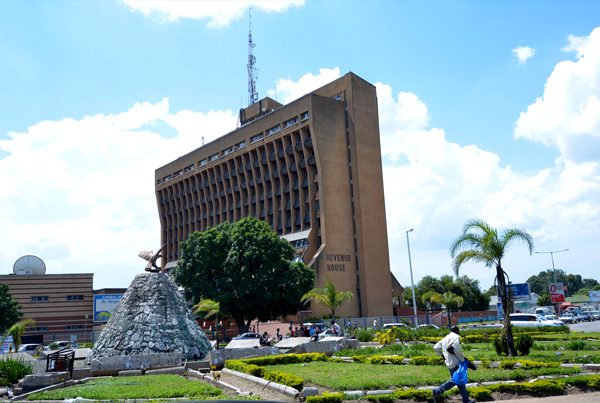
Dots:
{"x": 152, "y": 257}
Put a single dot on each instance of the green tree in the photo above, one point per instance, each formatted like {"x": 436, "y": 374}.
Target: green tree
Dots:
{"x": 11, "y": 310}
{"x": 463, "y": 286}
{"x": 481, "y": 243}
{"x": 247, "y": 268}
{"x": 448, "y": 299}
{"x": 329, "y": 296}
{"x": 544, "y": 300}
{"x": 16, "y": 331}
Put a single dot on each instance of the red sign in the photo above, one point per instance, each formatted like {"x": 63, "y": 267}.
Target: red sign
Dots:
{"x": 557, "y": 295}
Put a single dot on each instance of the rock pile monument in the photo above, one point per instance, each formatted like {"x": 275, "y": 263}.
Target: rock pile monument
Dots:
{"x": 152, "y": 318}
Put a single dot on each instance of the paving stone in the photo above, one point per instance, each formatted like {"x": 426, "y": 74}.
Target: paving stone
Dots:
{"x": 39, "y": 381}
{"x": 490, "y": 383}
{"x": 354, "y": 393}
{"x": 133, "y": 372}
{"x": 167, "y": 371}
{"x": 310, "y": 392}
{"x": 380, "y": 392}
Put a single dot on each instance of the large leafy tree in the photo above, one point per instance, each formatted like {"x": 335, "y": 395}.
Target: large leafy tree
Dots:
{"x": 448, "y": 299}
{"x": 245, "y": 267}
{"x": 481, "y": 243}
{"x": 329, "y": 296}
{"x": 209, "y": 308}
{"x": 463, "y": 286}
{"x": 10, "y": 310}
{"x": 16, "y": 331}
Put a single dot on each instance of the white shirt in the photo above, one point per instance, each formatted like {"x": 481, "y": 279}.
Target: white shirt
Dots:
{"x": 336, "y": 329}
{"x": 451, "y": 360}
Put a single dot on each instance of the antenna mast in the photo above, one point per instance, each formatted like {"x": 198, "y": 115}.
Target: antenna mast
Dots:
{"x": 252, "y": 70}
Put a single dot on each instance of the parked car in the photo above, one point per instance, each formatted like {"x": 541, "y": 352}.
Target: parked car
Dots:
{"x": 30, "y": 349}
{"x": 389, "y": 326}
{"x": 531, "y": 320}
{"x": 595, "y": 315}
{"x": 428, "y": 326}
{"x": 568, "y": 318}
{"x": 244, "y": 336}
{"x": 584, "y": 316}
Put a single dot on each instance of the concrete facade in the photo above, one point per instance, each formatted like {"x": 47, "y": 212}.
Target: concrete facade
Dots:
{"x": 312, "y": 170}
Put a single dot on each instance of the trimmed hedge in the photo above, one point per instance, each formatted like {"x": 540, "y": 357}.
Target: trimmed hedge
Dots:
{"x": 326, "y": 397}
{"x": 290, "y": 380}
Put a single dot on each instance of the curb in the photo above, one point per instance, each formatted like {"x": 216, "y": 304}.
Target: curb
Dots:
{"x": 286, "y": 390}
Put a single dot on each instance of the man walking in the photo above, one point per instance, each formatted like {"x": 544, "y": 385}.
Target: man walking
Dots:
{"x": 449, "y": 348}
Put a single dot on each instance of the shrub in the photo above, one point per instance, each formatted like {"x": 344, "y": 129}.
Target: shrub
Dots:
{"x": 523, "y": 343}
{"x": 377, "y": 359}
{"x": 507, "y": 364}
{"x": 577, "y": 345}
{"x": 419, "y": 360}
{"x": 500, "y": 345}
{"x": 485, "y": 362}
{"x": 13, "y": 369}
{"x": 290, "y": 380}
{"x": 528, "y": 364}
{"x": 413, "y": 394}
{"x": 480, "y": 393}
{"x": 359, "y": 358}
{"x": 53, "y": 346}
{"x": 326, "y": 397}
{"x": 381, "y": 398}
{"x": 395, "y": 360}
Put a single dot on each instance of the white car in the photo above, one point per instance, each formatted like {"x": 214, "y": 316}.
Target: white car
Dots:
{"x": 30, "y": 349}
{"x": 389, "y": 326}
{"x": 595, "y": 315}
{"x": 568, "y": 318}
{"x": 531, "y": 320}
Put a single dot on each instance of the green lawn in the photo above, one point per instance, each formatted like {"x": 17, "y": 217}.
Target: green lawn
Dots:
{"x": 354, "y": 376}
{"x": 135, "y": 387}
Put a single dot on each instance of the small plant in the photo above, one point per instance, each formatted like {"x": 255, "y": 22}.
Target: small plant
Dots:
{"x": 485, "y": 362}
{"x": 577, "y": 345}
{"x": 13, "y": 369}
{"x": 523, "y": 343}
{"x": 53, "y": 346}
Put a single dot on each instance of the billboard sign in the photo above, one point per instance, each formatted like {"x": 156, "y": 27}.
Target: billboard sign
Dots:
{"x": 500, "y": 311}
{"x": 7, "y": 344}
{"x": 518, "y": 292}
{"x": 557, "y": 293}
{"x": 104, "y": 305}
{"x": 594, "y": 296}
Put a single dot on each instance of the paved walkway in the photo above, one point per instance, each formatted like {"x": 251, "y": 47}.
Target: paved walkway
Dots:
{"x": 579, "y": 398}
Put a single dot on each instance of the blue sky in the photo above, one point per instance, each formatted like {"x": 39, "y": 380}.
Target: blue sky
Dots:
{"x": 96, "y": 93}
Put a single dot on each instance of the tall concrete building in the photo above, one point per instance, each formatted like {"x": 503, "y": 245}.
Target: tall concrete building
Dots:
{"x": 312, "y": 170}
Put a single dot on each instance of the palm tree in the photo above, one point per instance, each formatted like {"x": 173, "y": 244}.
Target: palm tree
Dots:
{"x": 17, "y": 330}
{"x": 448, "y": 299}
{"x": 328, "y": 296}
{"x": 212, "y": 308}
{"x": 481, "y": 243}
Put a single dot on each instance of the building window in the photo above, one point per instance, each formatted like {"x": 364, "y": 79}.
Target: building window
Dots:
{"x": 273, "y": 130}
{"x": 305, "y": 116}
{"x": 301, "y": 243}
{"x": 74, "y": 327}
{"x": 316, "y": 187}
{"x": 291, "y": 122}
{"x": 318, "y": 206}
{"x": 337, "y": 97}
{"x": 158, "y": 182}
{"x": 256, "y": 138}
{"x": 227, "y": 151}
{"x": 190, "y": 168}
{"x": 40, "y": 299}
{"x": 74, "y": 297}
{"x": 213, "y": 157}
{"x": 203, "y": 162}
{"x": 167, "y": 178}
{"x": 176, "y": 174}
{"x": 39, "y": 329}
{"x": 240, "y": 145}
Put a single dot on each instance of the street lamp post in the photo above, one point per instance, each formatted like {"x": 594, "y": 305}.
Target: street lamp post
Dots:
{"x": 85, "y": 330}
{"x": 412, "y": 283}
{"x": 552, "y": 256}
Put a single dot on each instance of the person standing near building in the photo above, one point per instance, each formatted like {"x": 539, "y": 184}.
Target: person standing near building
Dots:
{"x": 449, "y": 348}
{"x": 355, "y": 325}
{"x": 337, "y": 330}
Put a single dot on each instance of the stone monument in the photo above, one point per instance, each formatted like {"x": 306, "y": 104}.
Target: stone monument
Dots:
{"x": 151, "y": 318}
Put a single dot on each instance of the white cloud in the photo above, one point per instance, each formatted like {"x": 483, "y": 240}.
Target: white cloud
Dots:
{"x": 218, "y": 13}
{"x": 288, "y": 90}
{"x": 523, "y": 53}
{"x": 79, "y": 193}
{"x": 567, "y": 115}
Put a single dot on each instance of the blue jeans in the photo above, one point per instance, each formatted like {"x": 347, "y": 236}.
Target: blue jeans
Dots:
{"x": 449, "y": 385}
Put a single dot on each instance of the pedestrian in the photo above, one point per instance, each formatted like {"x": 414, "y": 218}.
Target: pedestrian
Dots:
{"x": 355, "y": 325}
{"x": 337, "y": 330}
{"x": 480, "y": 320}
{"x": 291, "y": 331}
{"x": 375, "y": 323}
{"x": 253, "y": 329}
{"x": 278, "y": 335}
{"x": 449, "y": 348}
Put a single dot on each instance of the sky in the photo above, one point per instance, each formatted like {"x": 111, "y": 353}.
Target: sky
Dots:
{"x": 488, "y": 110}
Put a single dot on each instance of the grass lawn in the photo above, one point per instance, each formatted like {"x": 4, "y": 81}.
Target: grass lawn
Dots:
{"x": 135, "y": 387}
{"x": 354, "y": 376}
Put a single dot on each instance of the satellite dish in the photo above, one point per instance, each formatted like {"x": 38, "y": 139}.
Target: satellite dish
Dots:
{"x": 29, "y": 265}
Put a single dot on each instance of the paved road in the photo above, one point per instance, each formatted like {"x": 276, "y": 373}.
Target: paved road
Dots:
{"x": 586, "y": 326}
{"x": 580, "y": 398}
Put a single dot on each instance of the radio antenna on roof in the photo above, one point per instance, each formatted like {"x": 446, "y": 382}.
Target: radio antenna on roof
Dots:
{"x": 252, "y": 70}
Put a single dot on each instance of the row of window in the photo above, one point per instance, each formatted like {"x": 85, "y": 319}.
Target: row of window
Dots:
{"x": 45, "y": 328}
{"x": 231, "y": 149}
{"x": 45, "y": 298}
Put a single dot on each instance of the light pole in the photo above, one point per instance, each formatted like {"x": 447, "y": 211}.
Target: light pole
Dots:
{"x": 85, "y": 330}
{"x": 412, "y": 283}
{"x": 552, "y": 256}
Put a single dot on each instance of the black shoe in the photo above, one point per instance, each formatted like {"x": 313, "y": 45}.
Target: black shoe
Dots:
{"x": 435, "y": 396}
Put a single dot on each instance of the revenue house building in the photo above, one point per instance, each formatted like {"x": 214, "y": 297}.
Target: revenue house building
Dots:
{"x": 312, "y": 170}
